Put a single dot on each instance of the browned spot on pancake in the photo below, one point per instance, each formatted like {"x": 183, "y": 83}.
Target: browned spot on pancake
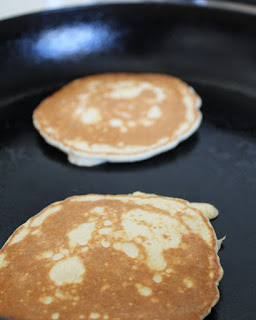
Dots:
{"x": 132, "y": 270}
{"x": 118, "y": 110}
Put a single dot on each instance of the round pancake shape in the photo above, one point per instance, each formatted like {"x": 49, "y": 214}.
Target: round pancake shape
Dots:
{"x": 122, "y": 117}
{"x": 111, "y": 257}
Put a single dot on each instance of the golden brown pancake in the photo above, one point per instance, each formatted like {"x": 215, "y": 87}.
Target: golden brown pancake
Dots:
{"x": 118, "y": 117}
{"x": 111, "y": 257}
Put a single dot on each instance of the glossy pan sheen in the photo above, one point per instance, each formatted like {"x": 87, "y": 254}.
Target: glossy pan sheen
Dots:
{"x": 212, "y": 49}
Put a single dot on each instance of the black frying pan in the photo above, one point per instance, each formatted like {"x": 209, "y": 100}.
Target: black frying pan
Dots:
{"x": 211, "y": 48}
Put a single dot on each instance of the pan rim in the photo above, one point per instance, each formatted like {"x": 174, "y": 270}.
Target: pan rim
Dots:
{"x": 242, "y": 8}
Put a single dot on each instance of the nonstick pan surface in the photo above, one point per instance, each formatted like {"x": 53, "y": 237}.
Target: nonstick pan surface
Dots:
{"x": 212, "y": 49}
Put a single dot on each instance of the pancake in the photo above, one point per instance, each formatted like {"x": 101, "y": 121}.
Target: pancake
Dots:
{"x": 118, "y": 117}
{"x": 111, "y": 257}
